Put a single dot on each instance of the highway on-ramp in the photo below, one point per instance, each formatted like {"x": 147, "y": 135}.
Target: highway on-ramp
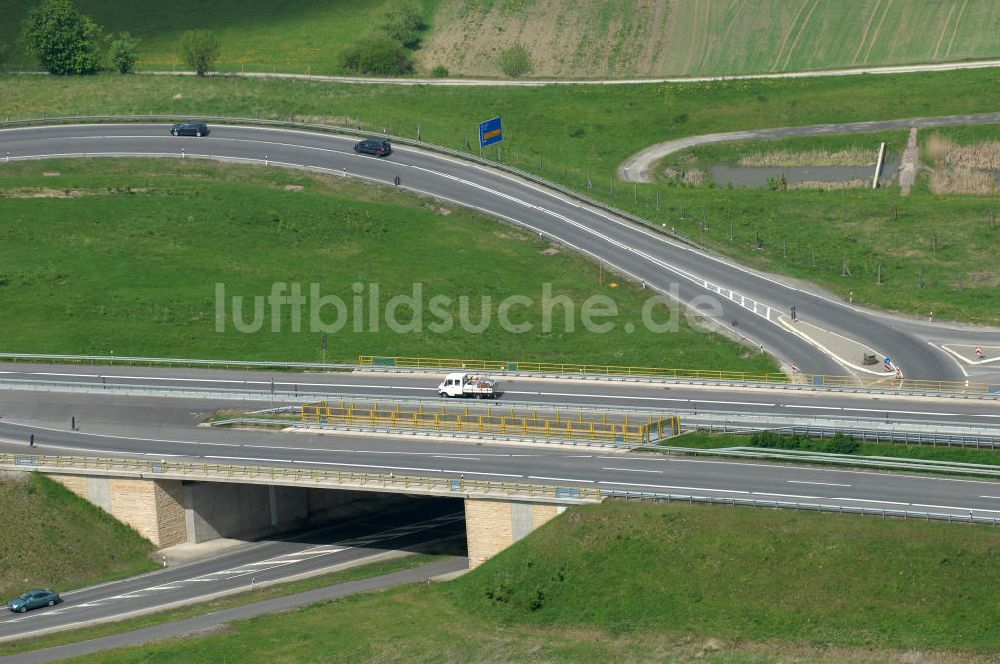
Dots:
{"x": 745, "y": 302}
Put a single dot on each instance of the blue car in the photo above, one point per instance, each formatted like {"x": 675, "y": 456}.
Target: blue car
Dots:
{"x": 33, "y": 599}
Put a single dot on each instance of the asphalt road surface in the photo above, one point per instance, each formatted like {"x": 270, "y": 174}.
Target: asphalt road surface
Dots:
{"x": 749, "y": 304}
{"x": 164, "y": 428}
{"x": 415, "y": 525}
{"x": 56, "y": 409}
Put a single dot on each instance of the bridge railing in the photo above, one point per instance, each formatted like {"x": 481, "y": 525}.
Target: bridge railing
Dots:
{"x": 167, "y": 469}
{"x": 634, "y": 429}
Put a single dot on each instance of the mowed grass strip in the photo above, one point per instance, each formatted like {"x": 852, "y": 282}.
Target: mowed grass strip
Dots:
{"x": 126, "y": 257}
{"x": 654, "y": 582}
{"x": 50, "y": 538}
{"x": 936, "y": 251}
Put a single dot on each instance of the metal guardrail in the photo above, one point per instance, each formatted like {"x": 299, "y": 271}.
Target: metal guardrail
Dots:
{"x": 844, "y": 386}
{"x": 279, "y": 474}
{"x": 804, "y": 507}
{"x": 806, "y": 456}
{"x": 581, "y": 425}
{"x": 888, "y": 382}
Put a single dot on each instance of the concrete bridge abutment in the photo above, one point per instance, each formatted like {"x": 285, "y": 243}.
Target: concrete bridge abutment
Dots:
{"x": 493, "y": 525}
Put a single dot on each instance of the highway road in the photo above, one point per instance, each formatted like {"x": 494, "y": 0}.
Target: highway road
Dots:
{"x": 666, "y": 398}
{"x": 425, "y": 524}
{"x": 165, "y": 428}
{"x": 750, "y": 302}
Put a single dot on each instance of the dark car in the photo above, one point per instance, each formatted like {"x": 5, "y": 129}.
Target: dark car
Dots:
{"x": 377, "y": 146}
{"x": 33, "y": 599}
{"x": 189, "y": 129}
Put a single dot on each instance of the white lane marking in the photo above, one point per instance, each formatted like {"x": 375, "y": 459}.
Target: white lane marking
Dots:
{"x": 820, "y": 483}
{"x": 236, "y": 458}
{"x": 641, "y": 398}
{"x": 168, "y": 586}
{"x": 684, "y": 488}
{"x": 557, "y": 479}
{"x": 866, "y": 500}
{"x": 842, "y": 471}
{"x": 423, "y": 470}
{"x": 994, "y": 497}
{"x": 954, "y": 507}
{"x": 893, "y": 412}
{"x": 579, "y": 456}
{"x": 460, "y": 458}
{"x": 784, "y": 495}
{"x": 635, "y": 470}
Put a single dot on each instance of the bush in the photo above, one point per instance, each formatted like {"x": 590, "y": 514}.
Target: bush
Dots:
{"x": 64, "y": 40}
{"x": 377, "y": 55}
{"x": 439, "y": 71}
{"x": 516, "y": 61}
{"x": 200, "y": 50}
{"x": 403, "y": 24}
{"x": 122, "y": 53}
{"x": 841, "y": 444}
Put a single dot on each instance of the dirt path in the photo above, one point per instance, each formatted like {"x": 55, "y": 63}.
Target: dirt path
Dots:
{"x": 638, "y": 167}
{"x": 458, "y": 82}
{"x": 908, "y": 168}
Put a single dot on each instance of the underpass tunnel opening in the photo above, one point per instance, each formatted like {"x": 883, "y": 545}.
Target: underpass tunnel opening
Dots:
{"x": 319, "y": 516}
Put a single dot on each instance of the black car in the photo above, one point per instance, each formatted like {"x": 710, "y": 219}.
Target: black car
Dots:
{"x": 189, "y": 129}
{"x": 377, "y": 146}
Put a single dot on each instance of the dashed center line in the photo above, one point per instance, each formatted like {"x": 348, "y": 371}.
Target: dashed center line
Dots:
{"x": 634, "y": 470}
{"x": 819, "y": 483}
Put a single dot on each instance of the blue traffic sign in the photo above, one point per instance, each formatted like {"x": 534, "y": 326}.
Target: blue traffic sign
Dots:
{"x": 490, "y": 132}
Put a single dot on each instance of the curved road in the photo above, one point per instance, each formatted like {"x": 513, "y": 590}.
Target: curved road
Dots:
{"x": 638, "y": 167}
{"x": 746, "y": 302}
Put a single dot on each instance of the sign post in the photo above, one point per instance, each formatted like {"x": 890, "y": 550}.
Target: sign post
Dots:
{"x": 323, "y": 344}
{"x": 490, "y": 132}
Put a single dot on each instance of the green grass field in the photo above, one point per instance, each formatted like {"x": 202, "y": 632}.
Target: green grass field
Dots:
{"x": 123, "y": 257}
{"x": 256, "y": 35}
{"x": 50, "y": 538}
{"x": 566, "y": 39}
{"x": 936, "y": 253}
{"x": 644, "y": 582}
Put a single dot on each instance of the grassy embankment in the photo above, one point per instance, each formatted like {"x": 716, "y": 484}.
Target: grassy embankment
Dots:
{"x": 607, "y": 38}
{"x": 936, "y": 250}
{"x": 123, "y": 257}
{"x": 647, "y": 582}
{"x": 50, "y": 538}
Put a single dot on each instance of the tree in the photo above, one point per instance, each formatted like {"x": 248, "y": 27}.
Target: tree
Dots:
{"x": 4, "y": 54}
{"x": 516, "y": 61}
{"x": 200, "y": 50}
{"x": 64, "y": 40}
{"x": 377, "y": 55}
{"x": 122, "y": 52}
{"x": 403, "y": 23}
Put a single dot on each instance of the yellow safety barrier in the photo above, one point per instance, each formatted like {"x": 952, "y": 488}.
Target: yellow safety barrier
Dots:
{"x": 577, "y": 426}
{"x": 155, "y": 469}
{"x": 871, "y": 381}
